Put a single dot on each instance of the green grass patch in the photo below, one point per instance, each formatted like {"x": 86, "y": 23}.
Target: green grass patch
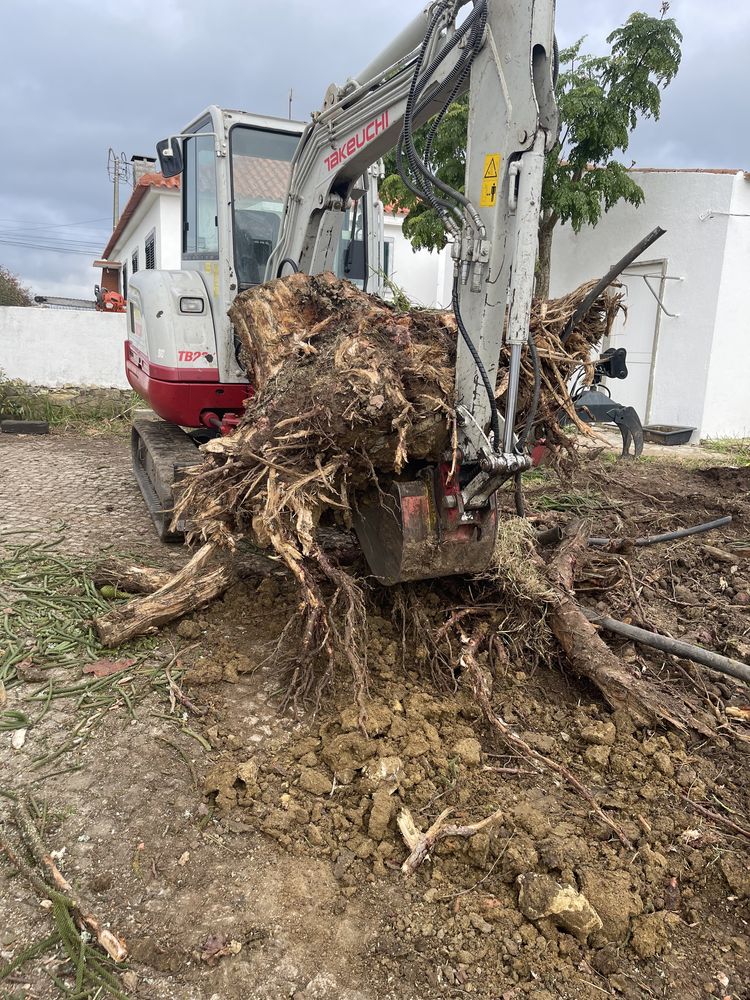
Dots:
{"x": 67, "y": 408}
{"x": 736, "y": 449}
{"x": 574, "y": 501}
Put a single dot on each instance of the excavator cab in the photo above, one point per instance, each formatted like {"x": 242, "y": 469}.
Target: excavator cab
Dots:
{"x": 180, "y": 354}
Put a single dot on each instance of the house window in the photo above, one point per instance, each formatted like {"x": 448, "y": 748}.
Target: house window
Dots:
{"x": 125, "y": 281}
{"x": 387, "y": 257}
{"x": 134, "y": 262}
{"x": 151, "y": 250}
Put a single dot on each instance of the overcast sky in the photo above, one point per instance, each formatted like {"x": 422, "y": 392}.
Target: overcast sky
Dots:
{"x": 84, "y": 75}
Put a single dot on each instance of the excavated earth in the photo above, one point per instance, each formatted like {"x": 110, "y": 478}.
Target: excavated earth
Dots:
{"x": 253, "y": 852}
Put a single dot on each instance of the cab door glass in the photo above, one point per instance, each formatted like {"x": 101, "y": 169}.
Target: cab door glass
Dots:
{"x": 261, "y": 166}
{"x": 200, "y": 224}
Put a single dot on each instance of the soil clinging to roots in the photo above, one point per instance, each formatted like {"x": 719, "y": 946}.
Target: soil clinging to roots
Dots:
{"x": 348, "y": 390}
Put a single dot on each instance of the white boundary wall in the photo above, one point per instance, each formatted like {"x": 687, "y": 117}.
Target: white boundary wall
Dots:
{"x": 56, "y": 347}
{"x": 727, "y": 409}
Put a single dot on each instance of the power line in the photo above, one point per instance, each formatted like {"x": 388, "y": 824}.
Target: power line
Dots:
{"x": 93, "y": 245}
{"x": 41, "y": 238}
{"x": 34, "y": 224}
{"x": 41, "y": 246}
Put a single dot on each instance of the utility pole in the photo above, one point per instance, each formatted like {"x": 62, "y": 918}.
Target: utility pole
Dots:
{"x": 118, "y": 169}
{"x": 291, "y": 95}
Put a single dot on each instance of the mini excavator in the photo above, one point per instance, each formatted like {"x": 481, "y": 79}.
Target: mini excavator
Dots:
{"x": 262, "y": 197}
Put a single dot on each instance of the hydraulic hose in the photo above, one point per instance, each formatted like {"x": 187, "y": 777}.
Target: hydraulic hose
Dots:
{"x": 416, "y": 163}
{"x": 528, "y": 424}
{"x": 291, "y": 262}
{"x": 419, "y": 81}
{"x": 411, "y": 97}
{"x": 489, "y": 388}
{"x": 531, "y": 415}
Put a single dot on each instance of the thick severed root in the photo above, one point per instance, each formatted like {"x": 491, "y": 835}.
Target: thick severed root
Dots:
{"x": 130, "y": 578}
{"x": 622, "y": 685}
{"x": 195, "y": 585}
{"x": 420, "y": 844}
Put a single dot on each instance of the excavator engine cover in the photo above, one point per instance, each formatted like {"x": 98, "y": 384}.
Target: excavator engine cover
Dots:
{"x": 409, "y": 531}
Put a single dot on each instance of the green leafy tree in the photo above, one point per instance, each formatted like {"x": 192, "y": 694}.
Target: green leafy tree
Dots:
{"x": 601, "y": 99}
{"x": 12, "y": 292}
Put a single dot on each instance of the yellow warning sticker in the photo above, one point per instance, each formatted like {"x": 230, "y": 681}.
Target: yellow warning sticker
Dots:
{"x": 490, "y": 180}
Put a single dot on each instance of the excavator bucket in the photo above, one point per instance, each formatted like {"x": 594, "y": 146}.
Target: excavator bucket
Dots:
{"x": 415, "y": 531}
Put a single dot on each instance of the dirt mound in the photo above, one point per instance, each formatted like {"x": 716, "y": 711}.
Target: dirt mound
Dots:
{"x": 545, "y": 895}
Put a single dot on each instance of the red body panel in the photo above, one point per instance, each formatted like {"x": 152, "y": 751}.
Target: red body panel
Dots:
{"x": 177, "y": 400}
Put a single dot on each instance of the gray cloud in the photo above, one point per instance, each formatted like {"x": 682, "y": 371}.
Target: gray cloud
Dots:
{"x": 84, "y": 75}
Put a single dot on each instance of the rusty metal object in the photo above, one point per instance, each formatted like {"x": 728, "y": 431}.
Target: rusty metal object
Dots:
{"x": 409, "y": 532}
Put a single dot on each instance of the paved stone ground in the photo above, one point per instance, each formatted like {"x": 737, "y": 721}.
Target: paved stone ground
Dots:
{"x": 81, "y": 485}
{"x": 84, "y": 483}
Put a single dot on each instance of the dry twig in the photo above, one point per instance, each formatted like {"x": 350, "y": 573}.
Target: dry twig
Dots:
{"x": 420, "y": 844}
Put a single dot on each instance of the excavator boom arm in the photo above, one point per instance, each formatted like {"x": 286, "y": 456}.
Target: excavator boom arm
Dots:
{"x": 502, "y": 52}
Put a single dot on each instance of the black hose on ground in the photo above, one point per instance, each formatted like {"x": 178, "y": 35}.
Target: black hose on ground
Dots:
{"x": 668, "y": 536}
{"x": 676, "y": 647}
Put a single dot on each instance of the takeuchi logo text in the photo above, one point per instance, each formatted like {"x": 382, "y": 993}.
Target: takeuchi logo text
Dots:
{"x": 365, "y": 135}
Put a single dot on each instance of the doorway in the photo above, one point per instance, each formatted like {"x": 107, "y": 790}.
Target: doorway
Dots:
{"x": 638, "y": 333}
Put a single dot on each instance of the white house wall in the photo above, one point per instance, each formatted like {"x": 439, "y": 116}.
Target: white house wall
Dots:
{"x": 169, "y": 248}
{"x": 727, "y": 410}
{"x": 419, "y": 275}
{"x": 693, "y": 250}
{"x": 159, "y": 211}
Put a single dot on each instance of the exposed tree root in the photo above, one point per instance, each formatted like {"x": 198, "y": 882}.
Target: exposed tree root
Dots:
{"x": 129, "y": 577}
{"x": 588, "y": 655}
{"x": 482, "y": 695}
{"x": 194, "y": 586}
{"x": 420, "y": 844}
{"x": 348, "y": 391}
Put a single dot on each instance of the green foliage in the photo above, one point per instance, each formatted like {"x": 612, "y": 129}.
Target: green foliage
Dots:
{"x": 601, "y": 99}
{"x": 422, "y": 225}
{"x": 12, "y": 292}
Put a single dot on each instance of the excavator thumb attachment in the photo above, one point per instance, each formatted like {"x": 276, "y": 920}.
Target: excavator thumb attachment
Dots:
{"x": 631, "y": 429}
{"x": 413, "y": 530}
{"x": 594, "y": 406}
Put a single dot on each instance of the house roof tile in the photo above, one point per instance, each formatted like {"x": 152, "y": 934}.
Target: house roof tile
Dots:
{"x": 145, "y": 183}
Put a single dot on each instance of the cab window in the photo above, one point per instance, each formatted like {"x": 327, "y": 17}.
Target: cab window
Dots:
{"x": 351, "y": 257}
{"x": 261, "y": 166}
